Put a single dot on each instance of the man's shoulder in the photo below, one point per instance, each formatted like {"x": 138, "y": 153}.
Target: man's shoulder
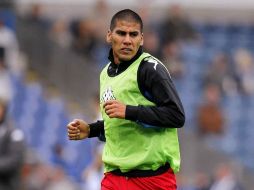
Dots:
{"x": 153, "y": 66}
{"x": 152, "y": 63}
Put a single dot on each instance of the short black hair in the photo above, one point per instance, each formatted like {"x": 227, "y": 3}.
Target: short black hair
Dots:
{"x": 126, "y": 14}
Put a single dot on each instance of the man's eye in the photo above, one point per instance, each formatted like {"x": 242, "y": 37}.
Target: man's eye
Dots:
{"x": 134, "y": 34}
{"x": 121, "y": 33}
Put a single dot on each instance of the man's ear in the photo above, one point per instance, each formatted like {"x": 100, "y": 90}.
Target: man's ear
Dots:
{"x": 109, "y": 37}
{"x": 142, "y": 39}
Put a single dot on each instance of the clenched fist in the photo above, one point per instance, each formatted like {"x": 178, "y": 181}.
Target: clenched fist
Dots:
{"x": 78, "y": 129}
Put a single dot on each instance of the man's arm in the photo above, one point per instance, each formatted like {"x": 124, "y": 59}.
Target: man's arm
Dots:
{"x": 156, "y": 85}
{"x": 78, "y": 129}
{"x": 97, "y": 130}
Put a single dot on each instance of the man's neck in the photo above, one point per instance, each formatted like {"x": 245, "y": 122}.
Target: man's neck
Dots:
{"x": 116, "y": 60}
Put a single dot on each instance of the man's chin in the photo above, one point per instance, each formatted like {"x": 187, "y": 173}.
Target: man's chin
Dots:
{"x": 125, "y": 58}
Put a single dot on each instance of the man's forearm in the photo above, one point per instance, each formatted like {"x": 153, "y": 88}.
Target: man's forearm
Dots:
{"x": 97, "y": 130}
{"x": 166, "y": 116}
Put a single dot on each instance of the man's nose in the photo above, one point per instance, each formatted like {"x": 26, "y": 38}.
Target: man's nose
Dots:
{"x": 127, "y": 39}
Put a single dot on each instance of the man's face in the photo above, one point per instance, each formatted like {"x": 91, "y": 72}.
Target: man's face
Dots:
{"x": 125, "y": 39}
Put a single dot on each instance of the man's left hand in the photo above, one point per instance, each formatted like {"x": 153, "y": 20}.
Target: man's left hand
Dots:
{"x": 115, "y": 109}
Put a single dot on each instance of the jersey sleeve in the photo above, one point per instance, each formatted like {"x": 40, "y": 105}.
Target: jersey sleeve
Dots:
{"x": 97, "y": 130}
{"x": 156, "y": 85}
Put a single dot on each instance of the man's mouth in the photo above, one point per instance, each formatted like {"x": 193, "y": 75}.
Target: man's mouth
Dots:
{"x": 126, "y": 50}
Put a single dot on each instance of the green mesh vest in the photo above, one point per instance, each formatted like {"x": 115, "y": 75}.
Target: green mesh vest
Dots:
{"x": 129, "y": 145}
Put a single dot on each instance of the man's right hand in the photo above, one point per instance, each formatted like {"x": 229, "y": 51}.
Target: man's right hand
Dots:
{"x": 78, "y": 129}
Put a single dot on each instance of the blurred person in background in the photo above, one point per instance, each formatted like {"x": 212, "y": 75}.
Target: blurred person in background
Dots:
{"x": 99, "y": 13}
{"x": 223, "y": 75}
{"x": 245, "y": 70}
{"x": 12, "y": 150}
{"x": 224, "y": 178}
{"x": 141, "y": 113}
{"x": 171, "y": 58}
{"x": 176, "y": 26}
{"x": 84, "y": 38}
{"x": 8, "y": 41}
{"x": 6, "y": 91}
{"x": 210, "y": 118}
{"x": 36, "y": 17}
{"x": 60, "y": 34}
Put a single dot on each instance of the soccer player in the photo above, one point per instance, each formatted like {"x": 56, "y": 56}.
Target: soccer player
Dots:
{"x": 141, "y": 113}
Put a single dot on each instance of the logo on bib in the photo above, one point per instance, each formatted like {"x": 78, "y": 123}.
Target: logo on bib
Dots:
{"x": 107, "y": 95}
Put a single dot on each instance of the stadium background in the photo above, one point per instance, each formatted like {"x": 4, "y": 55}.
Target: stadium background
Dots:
{"x": 208, "y": 48}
